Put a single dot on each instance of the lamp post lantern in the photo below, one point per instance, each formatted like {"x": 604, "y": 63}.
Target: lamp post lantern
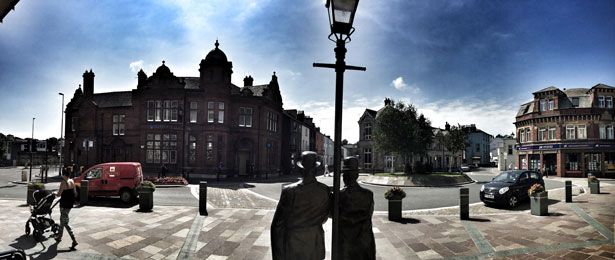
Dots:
{"x": 61, "y": 142}
{"x": 32, "y": 150}
{"x": 341, "y": 16}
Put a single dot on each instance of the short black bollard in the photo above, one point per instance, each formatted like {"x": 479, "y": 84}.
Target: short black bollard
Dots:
{"x": 568, "y": 191}
{"x": 203, "y": 198}
{"x": 83, "y": 193}
{"x": 464, "y": 203}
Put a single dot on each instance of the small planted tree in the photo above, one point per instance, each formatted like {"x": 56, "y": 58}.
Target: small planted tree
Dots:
{"x": 399, "y": 129}
{"x": 454, "y": 141}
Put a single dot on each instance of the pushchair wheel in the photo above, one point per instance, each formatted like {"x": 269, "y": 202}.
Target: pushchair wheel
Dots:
{"x": 55, "y": 228}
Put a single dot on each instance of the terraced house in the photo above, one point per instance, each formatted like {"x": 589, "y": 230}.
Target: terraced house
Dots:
{"x": 196, "y": 125}
{"x": 568, "y": 132}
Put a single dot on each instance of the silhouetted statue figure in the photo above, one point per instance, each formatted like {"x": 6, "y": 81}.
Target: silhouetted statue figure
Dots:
{"x": 356, "y": 209}
{"x": 296, "y": 229}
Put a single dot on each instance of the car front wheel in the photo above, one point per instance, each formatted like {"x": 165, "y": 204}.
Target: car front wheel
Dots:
{"x": 512, "y": 201}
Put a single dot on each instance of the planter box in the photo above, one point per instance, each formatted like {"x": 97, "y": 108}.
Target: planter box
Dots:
{"x": 394, "y": 209}
{"x": 539, "y": 204}
{"x": 594, "y": 187}
{"x": 146, "y": 199}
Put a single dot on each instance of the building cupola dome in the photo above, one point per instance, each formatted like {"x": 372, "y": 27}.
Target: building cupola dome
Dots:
{"x": 163, "y": 70}
{"x": 216, "y": 56}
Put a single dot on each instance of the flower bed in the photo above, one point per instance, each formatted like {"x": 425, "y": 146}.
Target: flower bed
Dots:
{"x": 167, "y": 180}
{"x": 535, "y": 190}
{"x": 395, "y": 193}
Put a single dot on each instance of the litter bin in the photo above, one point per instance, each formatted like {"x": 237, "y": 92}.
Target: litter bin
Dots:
{"x": 24, "y": 175}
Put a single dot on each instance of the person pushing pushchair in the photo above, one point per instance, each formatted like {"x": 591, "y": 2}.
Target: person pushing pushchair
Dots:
{"x": 67, "y": 194}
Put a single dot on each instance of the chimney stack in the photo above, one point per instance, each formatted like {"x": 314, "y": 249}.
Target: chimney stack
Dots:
{"x": 88, "y": 83}
{"x": 248, "y": 81}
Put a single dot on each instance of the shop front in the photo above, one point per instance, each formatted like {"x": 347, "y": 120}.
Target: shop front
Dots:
{"x": 568, "y": 160}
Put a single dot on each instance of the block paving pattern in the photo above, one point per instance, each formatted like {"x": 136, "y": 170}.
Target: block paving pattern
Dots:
{"x": 103, "y": 232}
{"x": 237, "y": 197}
{"x": 227, "y": 233}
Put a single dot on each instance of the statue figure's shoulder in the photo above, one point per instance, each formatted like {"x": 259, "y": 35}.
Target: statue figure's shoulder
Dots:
{"x": 323, "y": 186}
{"x": 365, "y": 191}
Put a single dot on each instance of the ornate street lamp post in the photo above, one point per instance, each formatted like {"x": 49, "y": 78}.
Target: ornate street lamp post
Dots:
{"x": 341, "y": 16}
{"x": 32, "y": 150}
{"x": 61, "y": 141}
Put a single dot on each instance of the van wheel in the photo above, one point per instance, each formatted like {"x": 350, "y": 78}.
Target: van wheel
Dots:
{"x": 126, "y": 196}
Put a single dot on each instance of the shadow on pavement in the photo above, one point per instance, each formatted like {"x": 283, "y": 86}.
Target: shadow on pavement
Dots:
{"x": 556, "y": 214}
{"x": 407, "y": 221}
{"x": 110, "y": 203}
{"x": 50, "y": 253}
{"x": 552, "y": 201}
{"x": 26, "y": 242}
{"x": 143, "y": 211}
{"x": 479, "y": 220}
{"x": 520, "y": 207}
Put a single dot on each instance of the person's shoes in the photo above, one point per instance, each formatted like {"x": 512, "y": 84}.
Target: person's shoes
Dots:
{"x": 58, "y": 239}
{"x": 74, "y": 245}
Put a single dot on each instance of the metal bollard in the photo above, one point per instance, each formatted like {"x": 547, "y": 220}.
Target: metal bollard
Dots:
{"x": 464, "y": 203}
{"x": 568, "y": 191}
{"x": 203, "y": 198}
{"x": 83, "y": 193}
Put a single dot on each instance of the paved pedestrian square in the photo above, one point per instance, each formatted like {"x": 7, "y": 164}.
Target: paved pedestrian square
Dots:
{"x": 579, "y": 230}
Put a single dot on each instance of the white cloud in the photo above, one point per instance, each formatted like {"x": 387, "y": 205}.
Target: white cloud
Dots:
{"x": 492, "y": 116}
{"x": 324, "y": 115}
{"x": 135, "y": 66}
{"x": 399, "y": 83}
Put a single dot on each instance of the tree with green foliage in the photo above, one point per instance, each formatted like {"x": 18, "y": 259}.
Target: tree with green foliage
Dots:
{"x": 52, "y": 144}
{"x": 3, "y": 147}
{"x": 399, "y": 129}
{"x": 455, "y": 140}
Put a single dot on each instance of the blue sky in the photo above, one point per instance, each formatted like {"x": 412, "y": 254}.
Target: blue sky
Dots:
{"x": 457, "y": 61}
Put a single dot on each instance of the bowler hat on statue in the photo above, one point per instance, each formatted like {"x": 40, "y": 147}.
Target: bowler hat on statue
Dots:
{"x": 350, "y": 163}
{"x": 308, "y": 158}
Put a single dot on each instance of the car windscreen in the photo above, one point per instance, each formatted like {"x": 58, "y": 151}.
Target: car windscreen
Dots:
{"x": 509, "y": 177}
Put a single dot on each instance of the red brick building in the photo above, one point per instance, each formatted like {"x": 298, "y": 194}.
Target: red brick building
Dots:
{"x": 189, "y": 124}
{"x": 568, "y": 132}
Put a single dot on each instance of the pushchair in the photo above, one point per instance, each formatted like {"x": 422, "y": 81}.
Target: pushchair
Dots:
{"x": 40, "y": 216}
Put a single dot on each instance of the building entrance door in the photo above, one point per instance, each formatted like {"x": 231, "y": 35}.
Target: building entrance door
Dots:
{"x": 389, "y": 160}
{"x": 550, "y": 163}
{"x": 243, "y": 159}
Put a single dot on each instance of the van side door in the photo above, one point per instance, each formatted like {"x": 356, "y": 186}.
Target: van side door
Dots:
{"x": 108, "y": 180}
{"x": 114, "y": 183}
{"x": 94, "y": 178}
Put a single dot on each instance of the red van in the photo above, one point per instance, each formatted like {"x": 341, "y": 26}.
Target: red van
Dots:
{"x": 112, "y": 179}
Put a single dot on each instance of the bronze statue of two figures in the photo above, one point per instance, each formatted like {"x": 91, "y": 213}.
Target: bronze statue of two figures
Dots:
{"x": 296, "y": 230}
